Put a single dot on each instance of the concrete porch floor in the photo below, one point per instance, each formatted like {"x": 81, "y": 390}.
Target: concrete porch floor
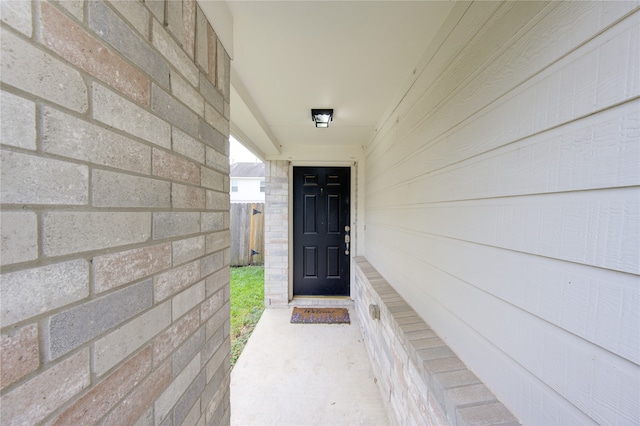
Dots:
{"x": 305, "y": 374}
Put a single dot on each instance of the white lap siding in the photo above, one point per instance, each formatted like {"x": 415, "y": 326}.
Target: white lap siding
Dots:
{"x": 502, "y": 202}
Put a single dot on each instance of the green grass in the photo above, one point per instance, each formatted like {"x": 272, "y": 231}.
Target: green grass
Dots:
{"x": 247, "y": 304}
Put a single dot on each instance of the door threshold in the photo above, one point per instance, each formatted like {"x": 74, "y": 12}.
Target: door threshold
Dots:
{"x": 300, "y": 301}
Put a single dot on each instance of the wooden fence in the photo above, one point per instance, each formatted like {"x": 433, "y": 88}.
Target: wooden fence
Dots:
{"x": 247, "y": 234}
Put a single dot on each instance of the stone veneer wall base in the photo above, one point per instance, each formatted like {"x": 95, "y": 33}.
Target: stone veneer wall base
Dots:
{"x": 422, "y": 380}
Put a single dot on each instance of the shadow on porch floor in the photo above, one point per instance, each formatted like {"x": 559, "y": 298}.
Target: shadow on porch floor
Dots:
{"x": 305, "y": 374}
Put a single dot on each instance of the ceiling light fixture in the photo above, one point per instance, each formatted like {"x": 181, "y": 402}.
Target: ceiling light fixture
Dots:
{"x": 322, "y": 117}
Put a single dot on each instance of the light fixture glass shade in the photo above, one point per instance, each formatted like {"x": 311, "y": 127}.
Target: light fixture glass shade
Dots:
{"x": 322, "y": 117}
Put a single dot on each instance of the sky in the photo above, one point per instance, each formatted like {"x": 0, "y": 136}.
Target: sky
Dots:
{"x": 240, "y": 154}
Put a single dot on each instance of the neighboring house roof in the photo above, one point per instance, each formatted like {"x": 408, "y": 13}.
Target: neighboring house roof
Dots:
{"x": 247, "y": 170}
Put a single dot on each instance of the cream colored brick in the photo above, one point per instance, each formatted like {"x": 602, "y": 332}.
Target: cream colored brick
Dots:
{"x": 183, "y": 302}
{"x": 75, "y": 232}
{"x": 18, "y": 120}
{"x": 19, "y": 237}
{"x": 31, "y": 292}
{"x": 117, "y": 345}
{"x": 28, "y": 179}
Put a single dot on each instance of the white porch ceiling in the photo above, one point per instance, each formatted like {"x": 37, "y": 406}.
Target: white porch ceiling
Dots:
{"x": 353, "y": 56}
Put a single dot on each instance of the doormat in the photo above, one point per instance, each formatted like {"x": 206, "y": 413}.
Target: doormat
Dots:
{"x": 320, "y": 316}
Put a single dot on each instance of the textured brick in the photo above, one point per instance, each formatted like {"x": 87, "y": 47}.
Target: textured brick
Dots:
{"x": 467, "y": 395}
{"x": 20, "y": 131}
{"x": 137, "y": 402}
{"x": 190, "y": 396}
{"x": 218, "y": 241}
{"x": 174, "y": 53}
{"x": 212, "y": 221}
{"x": 119, "y": 344}
{"x": 187, "y": 197}
{"x": 19, "y": 354}
{"x": 176, "y": 335}
{"x": 174, "y": 20}
{"x": 220, "y": 356}
{"x": 188, "y": 249}
{"x": 486, "y": 414}
{"x": 175, "y": 280}
{"x": 27, "y": 179}
{"x": 40, "y": 396}
{"x": 174, "y": 391}
{"x": 217, "y": 160}
{"x": 194, "y": 416}
{"x": 75, "y": 138}
{"x": 71, "y": 328}
{"x": 116, "y": 111}
{"x": 211, "y": 305}
{"x": 111, "y": 189}
{"x": 146, "y": 419}
{"x": 215, "y": 389}
{"x": 213, "y": 138}
{"x": 223, "y": 71}
{"x": 74, "y": 7}
{"x": 103, "y": 396}
{"x": 114, "y": 270}
{"x": 116, "y": 32}
{"x": 30, "y": 69}
{"x": 211, "y": 179}
{"x": 19, "y": 237}
{"x": 173, "y": 111}
{"x": 217, "y": 320}
{"x": 17, "y": 14}
{"x": 187, "y": 146}
{"x": 212, "y": 345}
{"x": 67, "y": 39}
{"x": 442, "y": 365}
{"x": 98, "y": 229}
{"x": 30, "y": 292}
{"x": 217, "y": 281}
{"x": 218, "y": 200}
{"x": 202, "y": 48}
{"x": 211, "y": 94}
{"x": 187, "y": 351}
{"x": 451, "y": 379}
{"x": 189, "y": 26}
{"x": 211, "y": 264}
{"x": 187, "y": 94}
{"x": 172, "y": 224}
{"x": 176, "y": 168}
{"x": 214, "y": 50}
{"x": 217, "y": 120}
{"x": 157, "y": 8}
{"x": 185, "y": 301}
{"x": 135, "y": 13}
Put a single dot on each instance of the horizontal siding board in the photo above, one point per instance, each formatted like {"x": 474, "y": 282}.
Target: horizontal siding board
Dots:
{"x": 592, "y": 303}
{"x": 472, "y": 21}
{"x": 502, "y": 198}
{"x": 556, "y": 36}
{"x": 592, "y": 228}
{"x": 543, "y": 349}
{"x": 574, "y": 157}
{"x": 544, "y": 102}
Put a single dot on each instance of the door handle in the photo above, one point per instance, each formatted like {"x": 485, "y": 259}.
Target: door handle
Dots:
{"x": 347, "y": 239}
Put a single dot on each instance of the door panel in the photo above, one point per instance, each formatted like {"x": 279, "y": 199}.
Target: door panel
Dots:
{"x": 320, "y": 215}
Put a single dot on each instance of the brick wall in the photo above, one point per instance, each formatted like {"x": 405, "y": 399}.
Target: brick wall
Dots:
{"x": 421, "y": 379}
{"x": 115, "y": 214}
{"x": 276, "y": 234}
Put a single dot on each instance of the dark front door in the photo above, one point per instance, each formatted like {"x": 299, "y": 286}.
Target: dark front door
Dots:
{"x": 321, "y": 231}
